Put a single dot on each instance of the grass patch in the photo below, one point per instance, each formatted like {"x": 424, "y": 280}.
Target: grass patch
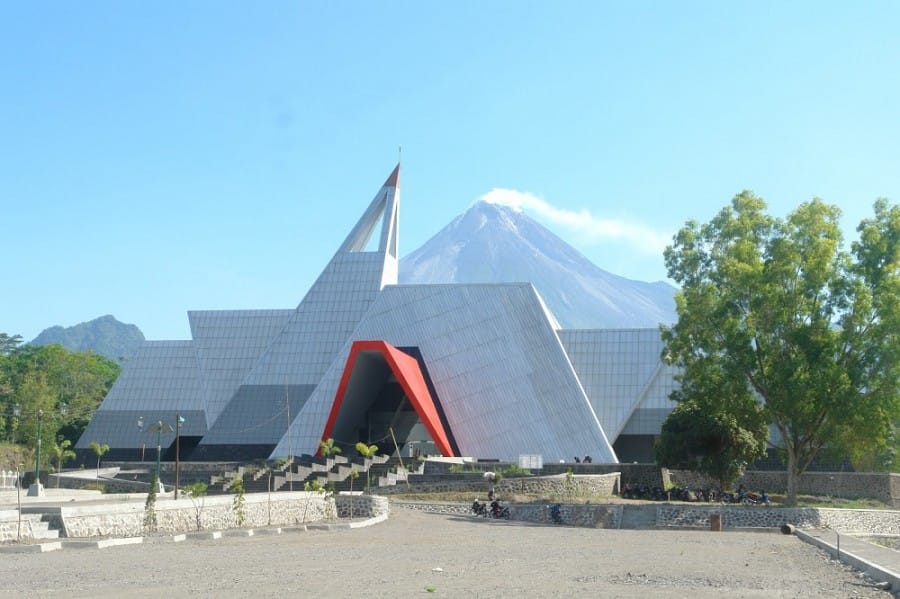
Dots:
{"x": 837, "y": 502}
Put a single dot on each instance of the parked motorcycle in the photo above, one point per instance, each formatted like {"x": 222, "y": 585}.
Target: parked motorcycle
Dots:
{"x": 499, "y": 511}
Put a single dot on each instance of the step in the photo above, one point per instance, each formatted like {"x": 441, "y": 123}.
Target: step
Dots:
{"x": 40, "y": 529}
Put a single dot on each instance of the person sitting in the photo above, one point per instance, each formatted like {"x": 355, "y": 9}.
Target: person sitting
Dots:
{"x": 587, "y": 459}
{"x": 577, "y": 461}
{"x": 556, "y": 513}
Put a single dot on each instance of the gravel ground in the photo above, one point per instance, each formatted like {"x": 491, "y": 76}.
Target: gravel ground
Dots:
{"x": 420, "y": 554}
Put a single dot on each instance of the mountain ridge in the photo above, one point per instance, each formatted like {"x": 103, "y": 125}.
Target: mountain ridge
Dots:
{"x": 104, "y": 335}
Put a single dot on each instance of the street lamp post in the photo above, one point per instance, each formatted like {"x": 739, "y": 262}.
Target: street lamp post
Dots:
{"x": 159, "y": 428}
{"x": 178, "y": 422}
{"x": 37, "y": 459}
{"x": 17, "y": 413}
{"x": 19, "y": 500}
{"x": 37, "y": 489}
{"x": 140, "y": 425}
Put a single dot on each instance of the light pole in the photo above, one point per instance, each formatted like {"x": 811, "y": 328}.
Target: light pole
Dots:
{"x": 37, "y": 489}
{"x": 19, "y": 500}
{"x": 17, "y": 412}
{"x": 140, "y": 425}
{"x": 178, "y": 422}
{"x": 159, "y": 428}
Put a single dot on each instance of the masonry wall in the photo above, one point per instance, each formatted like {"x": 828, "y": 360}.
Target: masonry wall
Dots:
{"x": 882, "y": 486}
{"x": 857, "y": 522}
{"x": 587, "y": 515}
{"x": 357, "y": 505}
{"x": 560, "y": 485}
{"x": 10, "y": 528}
{"x": 184, "y": 515}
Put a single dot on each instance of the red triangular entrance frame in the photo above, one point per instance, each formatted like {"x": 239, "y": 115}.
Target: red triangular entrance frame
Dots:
{"x": 409, "y": 375}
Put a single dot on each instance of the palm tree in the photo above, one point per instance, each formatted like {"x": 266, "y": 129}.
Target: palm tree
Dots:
{"x": 327, "y": 448}
{"x": 99, "y": 450}
{"x": 61, "y": 451}
{"x": 368, "y": 452}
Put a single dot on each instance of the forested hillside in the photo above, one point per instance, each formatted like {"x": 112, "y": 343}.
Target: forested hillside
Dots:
{"x": 49, "y": 388}
{"x": 104, "y": 335}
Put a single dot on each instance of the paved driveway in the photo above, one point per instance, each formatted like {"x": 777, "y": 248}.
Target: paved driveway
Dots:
{"x": 416, "y": 554}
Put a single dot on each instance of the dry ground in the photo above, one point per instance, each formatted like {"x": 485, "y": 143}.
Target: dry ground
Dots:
{"x": 417, "y": 554}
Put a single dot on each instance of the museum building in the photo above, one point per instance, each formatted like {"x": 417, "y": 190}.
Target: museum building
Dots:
{"x": 479, "y": 370}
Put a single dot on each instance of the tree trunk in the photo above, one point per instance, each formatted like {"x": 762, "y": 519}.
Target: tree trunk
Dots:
{"x": 793, "y": 476}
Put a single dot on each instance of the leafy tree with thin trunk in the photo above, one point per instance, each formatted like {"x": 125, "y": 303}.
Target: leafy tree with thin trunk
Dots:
{"x": 100, "y": 451}
{"x": 367, "y": 452}
{"x": 775, "y": 312}
{"x": 197, "y": 494}
{"x": 311, "y": 486}
{"x": 150, "y": 521}
{"x": 237, "y": 504}
{"x": 61, "y": 451}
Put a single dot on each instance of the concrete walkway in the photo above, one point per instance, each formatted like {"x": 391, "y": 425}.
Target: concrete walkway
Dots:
{"x": 880, "y": 563}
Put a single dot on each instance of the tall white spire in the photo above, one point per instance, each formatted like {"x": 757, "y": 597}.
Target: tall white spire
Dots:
{"x": 386, "y": 207}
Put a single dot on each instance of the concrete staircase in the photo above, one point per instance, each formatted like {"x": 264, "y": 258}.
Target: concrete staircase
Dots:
{"x": 638, "y": 516}
{"x": 334, "y": 471}
{"x": 40, "y": 527}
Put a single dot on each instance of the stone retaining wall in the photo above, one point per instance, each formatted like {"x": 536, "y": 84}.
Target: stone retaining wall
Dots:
{"x": 361, "y": 506}
{"x": 857, "y": 522}
{"x": 561, "y": 485}
{"x": 847, "y": 521}
{"x": 882, "y": 486}
{"x": 587, "y": 515}
{"x": 214, "y": 513}
{"x": 9, "y": 526}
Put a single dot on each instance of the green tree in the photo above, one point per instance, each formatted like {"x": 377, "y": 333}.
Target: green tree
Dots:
{"x": 713, "y": 444}
{"x": 367, "y": 452}
{"x": 36, "y": 397}
{"x": 8, "y": 343}
{"x": 150, "y": 520}
{"x": 71, "y": 386}
{"x": 776, "y": 312}
{"x": 311, "y": 486}
{"x": 61, "y": 451}
{"x": 237, "y": 503}
{"x": 327, "y": 448}
{"x": 100, "y": 451}
{"x": 197, "y": 494}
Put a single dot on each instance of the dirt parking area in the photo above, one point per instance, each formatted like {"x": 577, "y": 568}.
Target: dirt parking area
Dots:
{"x": 416, "y": 554}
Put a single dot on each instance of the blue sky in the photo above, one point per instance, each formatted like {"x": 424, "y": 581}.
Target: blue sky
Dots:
{"x": 159, "y": 157}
